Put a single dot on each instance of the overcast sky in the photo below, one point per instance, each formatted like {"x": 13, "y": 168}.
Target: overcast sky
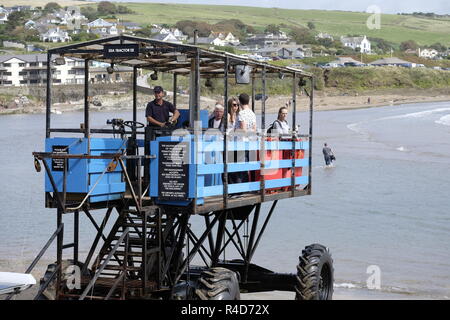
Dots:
{"x": 386, "y": 6}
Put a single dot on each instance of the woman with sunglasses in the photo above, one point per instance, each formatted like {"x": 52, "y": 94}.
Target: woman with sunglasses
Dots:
{"x": 233, "y": 111}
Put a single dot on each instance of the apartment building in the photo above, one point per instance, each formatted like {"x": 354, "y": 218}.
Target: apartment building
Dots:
{"x": 21, "y": 70}
{"x": 31, "y": 69}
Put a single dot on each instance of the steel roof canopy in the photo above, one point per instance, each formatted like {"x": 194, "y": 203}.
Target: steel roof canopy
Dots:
{"x": 168, "y": 57}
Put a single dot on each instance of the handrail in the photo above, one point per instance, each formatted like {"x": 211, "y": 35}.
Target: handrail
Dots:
{"x": 47, "y": 283}
{"x": 100, "y": 270}
{"x": 39, "y": 256}
{"x": 93, "y": 188}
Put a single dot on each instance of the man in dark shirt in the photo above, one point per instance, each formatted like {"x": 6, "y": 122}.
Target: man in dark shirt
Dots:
{"x": 157, "y": 111}
{"x": 327, "y": 154}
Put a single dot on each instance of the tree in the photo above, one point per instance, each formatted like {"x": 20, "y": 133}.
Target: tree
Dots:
{"x": 106, "y": 7}
{"x": 145, "y": 32}
{"x": 407, "y": 45}
{"x": 90, "y": 13}
{"x": 272, "y": 28}
{"x": 235, "y": 26}
{"x": 16, "y": 19}
{"x": 311, "y": 25}
{"x": 382, "y": 45}
{"x": 51, "y": 6}
{"x": 439, "y": 47}
{"x": 327, "y": 43}
{"x": 188, "y": 27}
{"x": 124, "y": 10}
{"x": 302, "y": 35}
{"x": 84, "y": 36}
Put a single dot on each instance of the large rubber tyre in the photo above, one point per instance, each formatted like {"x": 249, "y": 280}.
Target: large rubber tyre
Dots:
{"x": 218, "y": 284}
{"x": 315, "y": 274}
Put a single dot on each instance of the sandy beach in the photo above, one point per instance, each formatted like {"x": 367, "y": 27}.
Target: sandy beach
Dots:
{"x": 323, "y": 101}
{"x": 339, "y": 294}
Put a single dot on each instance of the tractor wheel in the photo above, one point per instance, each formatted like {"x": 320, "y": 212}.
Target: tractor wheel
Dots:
{"x": 314, "y": 274}
{"x": 218, "y": 284}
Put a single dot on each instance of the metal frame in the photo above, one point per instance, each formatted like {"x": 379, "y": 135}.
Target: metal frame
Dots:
{"x": 153, "y": 236}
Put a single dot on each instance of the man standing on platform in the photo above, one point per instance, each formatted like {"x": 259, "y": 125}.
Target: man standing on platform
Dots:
{"x": 158, "y": 111}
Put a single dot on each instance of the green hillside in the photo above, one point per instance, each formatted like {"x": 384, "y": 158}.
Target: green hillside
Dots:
{"x": 395, "y": 28}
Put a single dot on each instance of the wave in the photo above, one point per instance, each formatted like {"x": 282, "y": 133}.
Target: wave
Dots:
{"x": 420, "y": 114}
{"x": 391, "y": 290}
{"x": 355, "y": 127}
{"x": 445, "y": 120}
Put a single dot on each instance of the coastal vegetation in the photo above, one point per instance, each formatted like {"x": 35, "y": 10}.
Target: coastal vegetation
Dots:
{"x": 336, "y": 80}
{"x": 394, "y": 28}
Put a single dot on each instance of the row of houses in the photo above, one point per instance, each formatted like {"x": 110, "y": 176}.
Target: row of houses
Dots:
{"x": 384, "y": 62}
{"x": 24, "y": 70}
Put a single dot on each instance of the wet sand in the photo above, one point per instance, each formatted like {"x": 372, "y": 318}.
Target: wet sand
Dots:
{"x": 339, "y": 294}
{"x": 323, "y": 101}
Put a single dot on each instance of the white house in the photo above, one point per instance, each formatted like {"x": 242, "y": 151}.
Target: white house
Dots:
{"x": 214, "y": 41}
{"x": 357, "y": 43}
{"x": 179, "y": 34}
{"x": 105, "y": 31}
{"x": 323, "y": 35}
{"x": 164, "y": 31}
{"x": 131, "y": 26}
{"x": 55, "y": 35}
{"x": 169, "y": 37}
{"x": 3, "y": 17}
{"x": 100, "y": 23}
{"x": 103, "y": 28}
{"x": 228, "y": 38}
{"x": 428, "y": 53}
{"x": 73, "y": 19}
{"x": 30, "y": 24}
{"x": 294, "y": 52}
{"x": 268, "y": 39}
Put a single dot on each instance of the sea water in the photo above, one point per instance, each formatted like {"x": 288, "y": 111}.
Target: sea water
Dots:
{"x": 384, "y": 204}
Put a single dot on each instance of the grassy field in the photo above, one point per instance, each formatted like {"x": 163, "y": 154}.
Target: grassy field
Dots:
{"x": 395, "y": 28}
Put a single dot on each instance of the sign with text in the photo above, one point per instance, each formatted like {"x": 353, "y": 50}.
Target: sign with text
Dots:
{"x": 173, "y": 173}
{"x": 120, "y": 50}
{"x": 58, "y": 164}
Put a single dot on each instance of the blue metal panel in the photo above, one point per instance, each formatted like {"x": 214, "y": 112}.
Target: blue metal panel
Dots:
{"x": 83, "y": 173}
{"x": 208, "y": 169}
{"x": 77, "y": 177}
{"x": 102, "y": 145}
{"x": 205, "y": 173}
{"x": 154, "y": 146}
{"x": 184, "y": 117}
{"x": 253, "y": 186}
{"x": 109, "y": 186}
{"x": 210, "y": 146}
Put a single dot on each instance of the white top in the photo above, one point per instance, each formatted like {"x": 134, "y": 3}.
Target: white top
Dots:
{"x": 281, "y": 126}
{"x": 247, "y": 116}
{"x": 217, "y": 123}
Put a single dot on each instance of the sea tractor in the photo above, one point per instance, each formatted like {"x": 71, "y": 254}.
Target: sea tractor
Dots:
{"x": 165, "y": 192}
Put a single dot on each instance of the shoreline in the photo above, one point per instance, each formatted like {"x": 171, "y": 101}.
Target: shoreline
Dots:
{"x": 338, "y": 294}
{"x": 322, "y": 102}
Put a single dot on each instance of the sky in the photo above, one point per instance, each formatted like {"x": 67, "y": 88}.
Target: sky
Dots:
{"x": 386, "y": 6}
